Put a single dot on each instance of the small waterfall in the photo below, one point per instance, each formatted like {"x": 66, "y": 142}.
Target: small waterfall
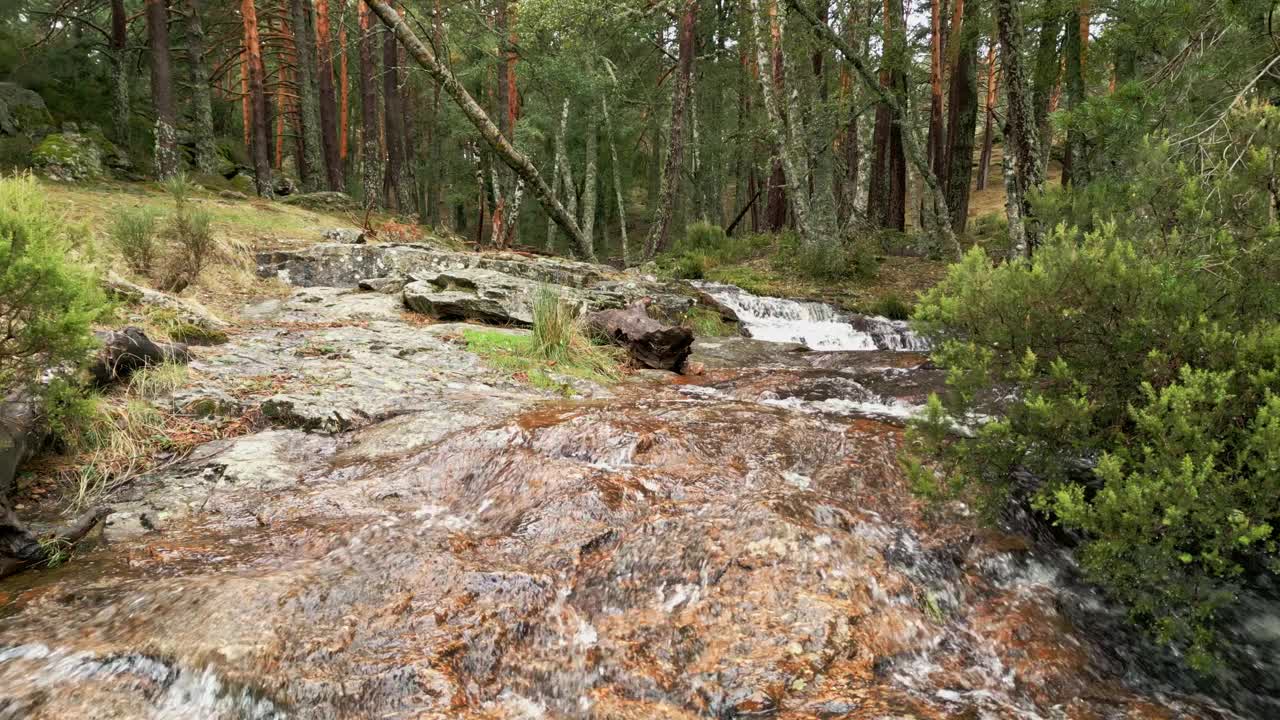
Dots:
{"x": 815, "y": 325}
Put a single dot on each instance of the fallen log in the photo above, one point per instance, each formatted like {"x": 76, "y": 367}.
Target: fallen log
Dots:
{"x": 20, "y": 548}
{"x": 651, "y": 344}
{"x": 128, "y": 350}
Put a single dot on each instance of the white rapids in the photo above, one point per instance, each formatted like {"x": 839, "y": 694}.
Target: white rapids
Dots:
{"x": 815, "y": 325}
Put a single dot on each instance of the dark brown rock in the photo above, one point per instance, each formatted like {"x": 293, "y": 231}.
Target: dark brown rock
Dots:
{"x": 651, "y": 343}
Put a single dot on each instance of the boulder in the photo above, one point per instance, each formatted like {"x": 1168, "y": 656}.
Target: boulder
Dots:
{"x": 348, "y": 236}
{"x": 22, "y": 111}
{"x": 68, "y": 156}
{"x": 183, "y": 311}
{"x": 473, "y": 294}
{"x": 323, "y": 201}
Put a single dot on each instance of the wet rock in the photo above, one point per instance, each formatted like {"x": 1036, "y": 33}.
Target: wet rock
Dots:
{"x": 474, "y": 294}
{"x": 650, "y": 343}
{"x": 284, "y": 186}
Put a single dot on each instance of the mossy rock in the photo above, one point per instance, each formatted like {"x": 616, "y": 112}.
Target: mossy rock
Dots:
{"x": 68, "y": 156}
{"x": 243, "y": 184}
{"x": 323, "y": 201}
{"x": 21, "y": 110}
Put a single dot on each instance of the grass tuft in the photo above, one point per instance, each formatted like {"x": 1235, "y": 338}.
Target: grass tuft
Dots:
{"x": 706, "y": 322}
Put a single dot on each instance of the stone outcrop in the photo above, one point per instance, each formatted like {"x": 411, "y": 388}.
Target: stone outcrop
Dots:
{"x": 22, "y": 111}
{"x": 69, "y": 156}
{"x": 325, "y": 201}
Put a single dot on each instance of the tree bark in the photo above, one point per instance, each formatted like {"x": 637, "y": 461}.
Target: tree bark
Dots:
{"x": 777, "y": 200}
{"x": 168, "y": 161}
{"x": 1020, "y": 134}
{"x": 260, "y": 143}
{"x": 206, "y": 157}
{"x": 393, "y": 116}
{"x": 617, "y": 179}
{"x": 435, "y": 194}
{"x": 936, "y": 141}
{"x": 660, "y": 231}
{"x": 848, "y": 141}
{"x": 887, "y": 193}
{"x": 962, "y": 111}
{"x": 501, "y": 146}
{"x": 312, "y": 169}
{"x": 589, "y": 179}
{"x": 989, "y": 113}
{"x": 327, "y": 101}
{"x": 120, "y": 99}
{"x": 1044, "y": 77}
{"x": 557, "y": 154}
{"x": 344, "y": 101}
{"x": 370, "y": 148}
{"x": 1074, "y": 170}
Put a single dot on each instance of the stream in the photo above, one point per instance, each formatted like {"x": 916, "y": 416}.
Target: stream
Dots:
{"x": 417, "y": 536}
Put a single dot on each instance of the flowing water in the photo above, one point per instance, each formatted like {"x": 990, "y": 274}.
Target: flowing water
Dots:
{"x": 740, "y": 544}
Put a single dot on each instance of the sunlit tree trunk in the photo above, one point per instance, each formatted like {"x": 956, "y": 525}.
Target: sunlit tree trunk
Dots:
{"x": 166, "y": 150}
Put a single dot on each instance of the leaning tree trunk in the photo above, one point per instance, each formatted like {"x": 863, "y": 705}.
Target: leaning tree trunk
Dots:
{"x": 660, "y": 231}
{"x": 166, "y": 150}
{"x": 370, "y": 149}
{"x": 120, "y": 72}
{"x": 490, "y": 132}
{"x": 260, "y": 143}
{"x": 962, "y": 111}
{"x": 617, "y": 179}
{"x": 1020, "y": 135}
{"x": 327, "y": 101}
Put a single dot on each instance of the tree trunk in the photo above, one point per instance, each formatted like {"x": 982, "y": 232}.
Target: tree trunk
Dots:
{"x": 393, "y": 116}
{"x": 650, "y": 343}
{"x": 936, "y": 142}
{"x": 435, "y": 194}
{"x": 660, "y": 231}
{"x": 617, "y": 179}
{"x": 1020, "y": 135}
{"x": 962, "y": 111}
{"x": 206, "y": 158}
{"x": 1074, "y": 170}
{"x": 168, "y": 161}
{"x": 1045, "y": 75}
{"x": 327, "y": 101}
{"x": 344, "y": 101}
{"x": 589, "y": 179}
{"x": 887, "y": 194}
{"x": 260, "y": 147}
{"x": 120, "y": 100}
{"x": 989, "y": 113}
{"x": 937, "y": 217}
{"x": 776, "y": 211}
{"x": 848, "y": 141}
{"x": 512, "y": 157}
{"x": 370, "y": 149}
{"x": 557, "y": 154}
{"x": 312, "y": 169}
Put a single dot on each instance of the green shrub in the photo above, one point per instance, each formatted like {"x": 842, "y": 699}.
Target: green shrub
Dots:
{"x": 133, "y": 233}
{"x": 1140, "y": 371}
{"x": 15, "y": 152}
{"x": 830, "y": 261}
{"x": 890, "y": 306}
{"x": 47, "y": 300}
{"x": 690, "y": 266}
{"x": 705, "y": 236}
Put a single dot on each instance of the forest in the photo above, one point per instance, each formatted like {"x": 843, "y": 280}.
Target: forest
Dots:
{"x": 500, "y": 318}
